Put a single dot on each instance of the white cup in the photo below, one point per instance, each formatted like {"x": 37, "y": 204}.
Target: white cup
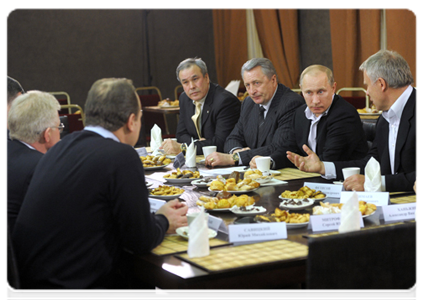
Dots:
{"x": 192, "y": 216}
{"x": 263, "y": 163}
{"x": 347, "y": 172}
{"x": 209, "y": 150}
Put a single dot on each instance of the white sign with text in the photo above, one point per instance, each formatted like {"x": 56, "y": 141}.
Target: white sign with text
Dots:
{"x": 399, "y": 212}
{"x": 327, "y": 222}
{"x": 376, "y": 198}
{"x": 244, "y": 233}
{"x": 155, "y": 204}
{"x": 331, "y": 190}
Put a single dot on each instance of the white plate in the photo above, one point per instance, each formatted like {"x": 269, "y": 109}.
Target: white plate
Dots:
{"x": 148, "y": 184}
{"x": 163, "y": 197}
{"x": 274, "y": 172}
{"x": 183, "y": 231}
{"x": 156, "y": 167}
{"x": 216, "y": 209}
{"x": 338, "y": 182}
{"x": 273, "y": 182}
{"x": 236, "y": 192}
{"x": 296, "y": 225}
{"x": 257, "y": 210}
{"x": 365, "y": 216}
{"x": 315, "y": 199}
{"x": 292, "y": 207}
{"x": 198, "y": 183}
{"x": 170, "y": 156}
{"x": 178, "y": 180}
{"x": 169, "y": 106}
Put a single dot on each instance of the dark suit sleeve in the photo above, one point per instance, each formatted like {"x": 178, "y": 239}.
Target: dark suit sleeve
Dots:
{"x": 227, "y": 114}
{"x": 281, "y": 134}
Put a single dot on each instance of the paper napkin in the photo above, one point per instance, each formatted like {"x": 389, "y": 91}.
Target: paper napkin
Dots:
{"x": 198, "y": 242}
{"x": 156, "y": 138}
{"x": 190, "y": 155}
{"x": 372, "y": 176}
{"x": 233, "y": 87}
{"x": 350, "y": 215}
{"x": 417, "y": 218}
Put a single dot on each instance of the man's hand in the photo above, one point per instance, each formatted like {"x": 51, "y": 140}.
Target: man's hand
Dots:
{"x": 239, "y": 150}
{"x": 219, "y": 159}
{"x": 354, "y": 183}
{"x": 171, "y": 147}
{"x": 416, "y": 186}
{"x": 175, "y": 212}
{"x": 310, "y": 163}
{"x": 253, "y": 164}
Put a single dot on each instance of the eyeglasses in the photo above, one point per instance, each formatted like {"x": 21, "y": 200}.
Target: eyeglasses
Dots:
{"x": 60, "y": 127}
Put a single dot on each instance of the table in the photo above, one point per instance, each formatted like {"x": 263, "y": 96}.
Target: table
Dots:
{"x": 164, "y": 111}
{"x": 173, "y": 272}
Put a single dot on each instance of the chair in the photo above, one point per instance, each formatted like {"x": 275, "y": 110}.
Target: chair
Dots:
{"x": 177, "y": 92}
{"x": 149, "y": 118}
{"x": 62, "y": 100}
{"x": 357, "y": 102}
{"x": 379, "y": 258}
{"x": 12, "y": 266}
{"x": 369, "y": 127}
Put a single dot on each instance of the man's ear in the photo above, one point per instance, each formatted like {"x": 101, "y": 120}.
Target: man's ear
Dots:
{"x": 130, "y": 124}
{"x": 45, "y": 137}
{"x": 382, "y": 83}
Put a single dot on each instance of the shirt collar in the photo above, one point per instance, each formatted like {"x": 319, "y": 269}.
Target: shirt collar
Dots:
{"x": 395, "y": 111}
{"x": 267, "y": 105}
{"x": 103, "y": 132}
{"x": 28, "y": 145}
{"x": 309, "y": 114}
{"x": 202, "y": 100}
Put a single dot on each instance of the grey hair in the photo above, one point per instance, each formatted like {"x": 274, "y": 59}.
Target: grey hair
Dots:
{"x": 390, "y": 66}
{"x": 187, "y": 63}
{"x": 266, "y": 66}
{"x": 31, "y": 114}
{"x": 318, "y": 68}
{"x": 110, "y": 102}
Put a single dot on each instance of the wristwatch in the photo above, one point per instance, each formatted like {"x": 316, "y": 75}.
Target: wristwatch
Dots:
{"x": 184, "y": 148}
{"x": 235, "y": 157}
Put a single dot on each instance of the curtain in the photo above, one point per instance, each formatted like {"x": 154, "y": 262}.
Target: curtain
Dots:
{"x": 278, "y": 34}
{"x": 230, "y": 40}
{"x": 401, "y": 35}
{"x": 355, "y": 35}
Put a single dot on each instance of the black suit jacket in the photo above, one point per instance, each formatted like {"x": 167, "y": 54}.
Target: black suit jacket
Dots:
{"x": 276, "y": 125}
{"x": 340, "y": 135}
{"x": 405, "y": 151}
{"x": 219, "y": 115}
{"x": 21, "y": 163}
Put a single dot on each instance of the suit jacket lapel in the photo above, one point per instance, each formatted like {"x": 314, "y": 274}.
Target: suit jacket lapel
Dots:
{"x": 208, "y": 104}
{"x": 270, "y": 116}
{"x": 404, "y": 127}
{"x": 254, "y": 129}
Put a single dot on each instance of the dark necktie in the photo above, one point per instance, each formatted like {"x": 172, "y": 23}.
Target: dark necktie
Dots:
{"x": 261, "y": 120}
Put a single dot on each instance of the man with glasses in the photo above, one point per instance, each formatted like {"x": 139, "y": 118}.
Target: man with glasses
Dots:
{"x": 35, "y": 127}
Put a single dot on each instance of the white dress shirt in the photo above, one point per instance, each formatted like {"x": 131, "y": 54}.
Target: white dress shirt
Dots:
{"x": 103, "y": 132}
{"x": 312, "y": 136}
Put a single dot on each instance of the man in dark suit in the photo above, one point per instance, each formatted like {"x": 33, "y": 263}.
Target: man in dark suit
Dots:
{"x": 13, "y": 89}
{"x": 266, "y": 116}
{"x": 34, "y": 128}
{"x": 208, "y": 112}
{"x": 87, "y": 205}
{"x": 327, "y": 124}
{"x": 388, "y": 79}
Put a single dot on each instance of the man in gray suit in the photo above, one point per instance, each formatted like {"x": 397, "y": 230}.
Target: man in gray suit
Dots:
{"x": 266, "y": 116}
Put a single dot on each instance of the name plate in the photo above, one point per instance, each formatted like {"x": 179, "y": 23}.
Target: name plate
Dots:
{"x": 215, "y": 223}
{"x": 399, "y": 212}
{"x": 155, "y": 204}
{"x": 245, "y": 233}
{"x": 376, "y": 198}
{"x": 327, "y": 222}
{"x": 331, "y": 190}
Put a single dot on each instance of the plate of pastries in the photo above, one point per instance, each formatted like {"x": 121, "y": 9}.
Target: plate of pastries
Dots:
{"x": 303, "y": 193}
{"x": 224, "y": 201}
{"x": 166, "y": 192}
{"x": 167, "y": 103}
{"x": 234, "y": 184}
{"x": 151, "y": 162}
{"x": 184, "y": 176}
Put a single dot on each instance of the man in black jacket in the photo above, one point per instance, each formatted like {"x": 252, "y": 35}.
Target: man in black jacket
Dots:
{"x": 266, "y": 116}
{"x": 87, "y": 206}
{"x": 327, "y": 124}
{"x": 388, "y": 79}
{"x": 207, "y": 112}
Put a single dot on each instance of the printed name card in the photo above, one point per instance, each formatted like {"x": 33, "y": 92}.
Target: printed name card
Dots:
{"x": 142, "y": 151}
{"x": 244, "y": 233}
{"x": 376, "y": 198}
{"x": 216, "y": 224}
{"x": 399, "y": 212}
{"x": 327, "y": 222}
{"x": 155, "y": 204}
{"x": 331, "y": 190}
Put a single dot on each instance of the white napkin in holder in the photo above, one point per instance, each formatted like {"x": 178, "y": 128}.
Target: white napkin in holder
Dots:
{"x": 156, "y": 138}
{"x": 198, "y": 241}
{"x": 191, "y": 155}
{"x": 372, "y": 176}
{"x": 350, "y": 215}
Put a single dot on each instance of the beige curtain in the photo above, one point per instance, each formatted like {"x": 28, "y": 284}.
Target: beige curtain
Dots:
{"x": 401, "y": 35}
{"x": 230, "y": 39}
{"x": 278, "y": 34}
{"x": 355, "y": 35}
